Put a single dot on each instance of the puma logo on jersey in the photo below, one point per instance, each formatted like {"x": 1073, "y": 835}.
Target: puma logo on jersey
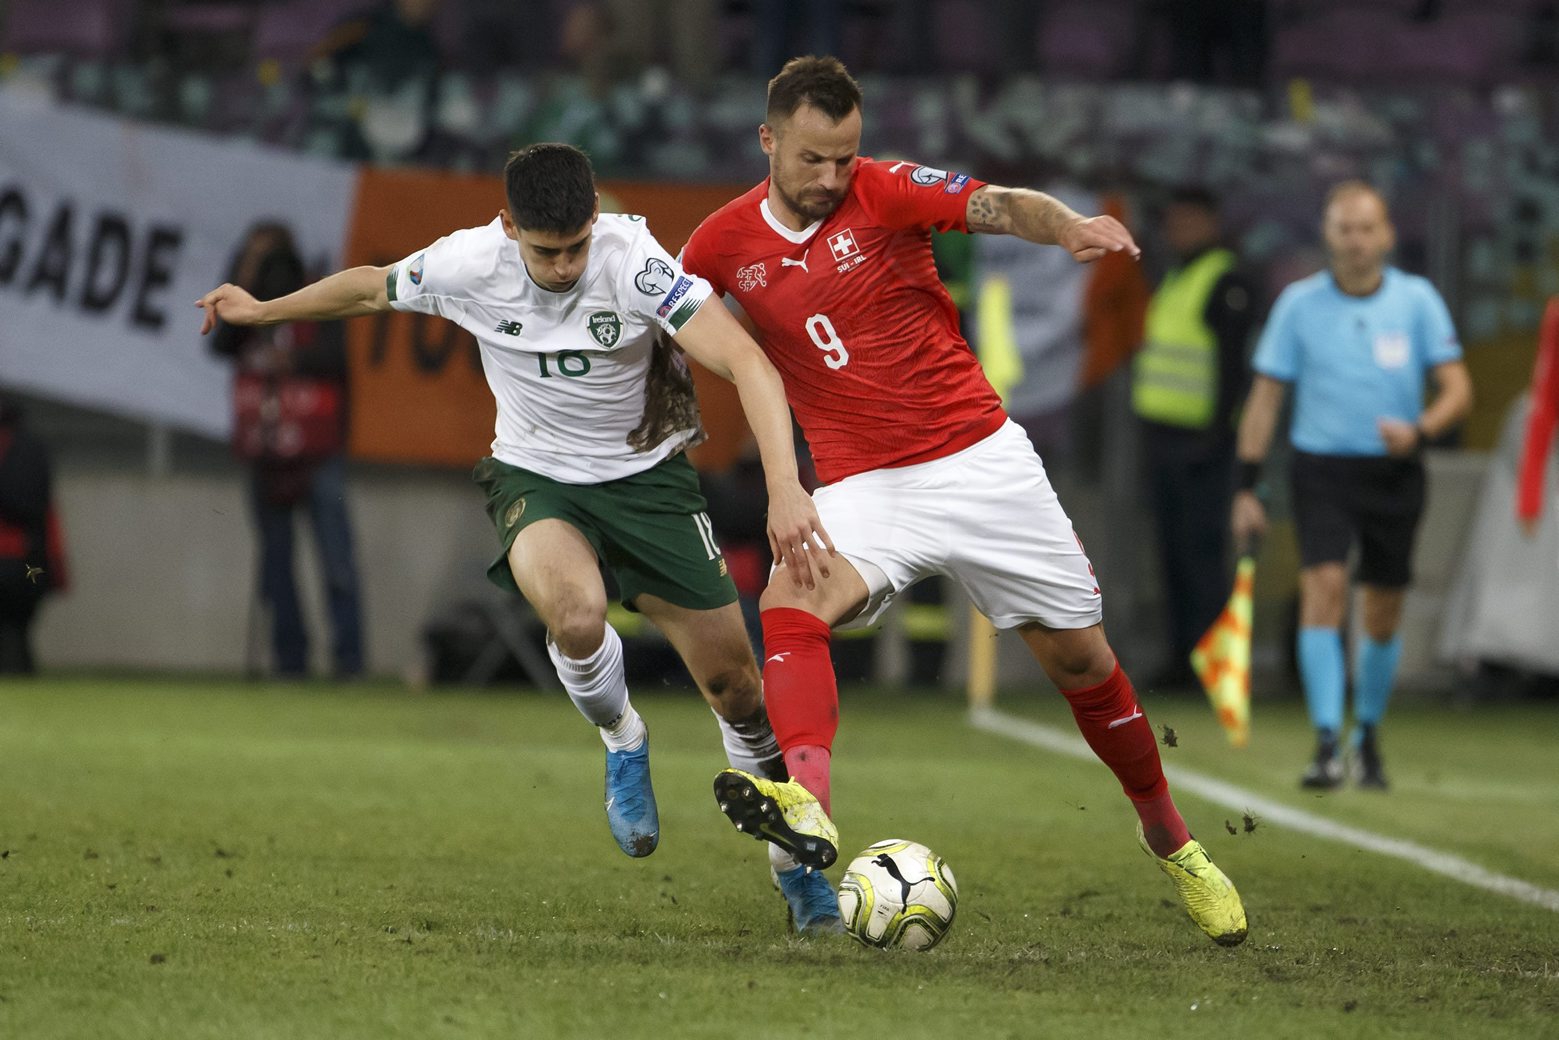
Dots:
{"x": 802, "y": 263}
{"x": 508, "y": 328}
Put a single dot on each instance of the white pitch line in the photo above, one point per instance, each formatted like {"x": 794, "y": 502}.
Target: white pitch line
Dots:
{"x": 1239, "y": 799}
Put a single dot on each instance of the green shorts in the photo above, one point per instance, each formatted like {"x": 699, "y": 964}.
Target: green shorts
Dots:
{"x": 650, "y": 531}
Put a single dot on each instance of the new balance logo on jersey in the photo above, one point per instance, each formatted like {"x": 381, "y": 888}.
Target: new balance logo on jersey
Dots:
{"x": 508, "y": 328}
{"x": 843, "y": 245}
{"x": 802, "y": 263}
{"x": 750, "y": 277}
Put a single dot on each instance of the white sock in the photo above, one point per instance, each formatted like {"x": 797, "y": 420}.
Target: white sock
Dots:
{"x": 599, "y": 689}
{"x": 781, "y": 860}
{"x": 750, "y": 745}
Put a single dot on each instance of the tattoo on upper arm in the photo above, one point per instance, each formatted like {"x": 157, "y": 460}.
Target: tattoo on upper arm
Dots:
{"x": 986, "y": 210}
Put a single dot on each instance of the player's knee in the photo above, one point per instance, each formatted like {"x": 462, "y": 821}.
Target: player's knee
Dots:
{"x": 1076, "y": 668}
{"x": 578, "y": 627}
{"x": 782, "y": 592}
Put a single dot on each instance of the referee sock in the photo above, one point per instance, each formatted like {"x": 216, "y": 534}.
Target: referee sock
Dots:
{"x": 599, "y": 689}
{"x": 1374, "y": 676}
{"x": 1324, "y": 674}
{"x": 1115, "y": 727}
{"x": 802, "y": 694}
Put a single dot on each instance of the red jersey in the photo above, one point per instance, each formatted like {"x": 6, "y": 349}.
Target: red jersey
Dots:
{"x": 853, "y": 315}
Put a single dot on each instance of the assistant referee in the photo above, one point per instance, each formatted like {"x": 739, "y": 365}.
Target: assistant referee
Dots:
{"x": 1356, "y": 342}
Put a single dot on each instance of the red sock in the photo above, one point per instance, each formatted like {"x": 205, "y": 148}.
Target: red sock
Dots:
{"x": 801, "y": 693}
{"x": 808, "y": 765}
{"x": 1119, "y": 733}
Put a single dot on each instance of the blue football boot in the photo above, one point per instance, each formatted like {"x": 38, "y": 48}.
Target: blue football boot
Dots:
{"x": 814, "y": 908}
{"x": 630, "y": 801}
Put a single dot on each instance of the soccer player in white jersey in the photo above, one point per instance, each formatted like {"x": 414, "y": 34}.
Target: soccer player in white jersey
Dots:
{"x": 588, "y": 470}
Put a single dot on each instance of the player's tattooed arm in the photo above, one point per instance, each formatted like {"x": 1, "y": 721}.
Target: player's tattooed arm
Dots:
{"x": 1028, "y": 214}
{"x": 1041, "y": 218}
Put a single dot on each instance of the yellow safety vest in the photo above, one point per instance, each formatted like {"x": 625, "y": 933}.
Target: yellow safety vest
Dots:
{"x": 1176, "y": 373}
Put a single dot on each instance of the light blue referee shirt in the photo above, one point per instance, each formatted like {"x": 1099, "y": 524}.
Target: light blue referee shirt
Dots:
{"x": 1354, "y": 360}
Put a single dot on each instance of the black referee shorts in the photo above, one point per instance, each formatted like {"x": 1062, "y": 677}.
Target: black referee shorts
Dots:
{"x": 1377, "y": 500}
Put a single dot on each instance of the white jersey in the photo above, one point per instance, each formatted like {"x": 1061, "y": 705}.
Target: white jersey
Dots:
{"x": 571, "y": 371}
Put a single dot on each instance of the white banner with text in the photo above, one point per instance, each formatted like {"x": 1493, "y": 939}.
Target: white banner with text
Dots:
{"x": 111, "y": 230}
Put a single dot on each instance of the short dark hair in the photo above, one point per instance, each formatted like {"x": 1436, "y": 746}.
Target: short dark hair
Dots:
{"x": 824, "y": 83}
{"x": 549, "y": 187}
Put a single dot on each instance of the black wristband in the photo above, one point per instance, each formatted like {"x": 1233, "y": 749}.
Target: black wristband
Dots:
{"x": 1248, "y": 475}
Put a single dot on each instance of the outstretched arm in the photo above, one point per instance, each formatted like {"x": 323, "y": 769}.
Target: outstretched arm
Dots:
{"x": 345, "y": 294}
{"x": 1043, "y": 219}
{"x": 715, "y": 340}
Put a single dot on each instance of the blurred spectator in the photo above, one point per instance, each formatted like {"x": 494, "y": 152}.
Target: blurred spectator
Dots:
{"x": 32, "y": 558}
{"x": 1028, "y": 310}
{"x": 783, "y": 29}
{"x": 1188, "y": 380}
{"x": 384, "y": 46}
{"x": 289, "y": 425}
{"x": 640, "y": 40}
{"x": 1210, "y": 41}
{"x": 1019, "y": 31}
{"x": 388, "y": 61}
{"x": 1356, "y": 341}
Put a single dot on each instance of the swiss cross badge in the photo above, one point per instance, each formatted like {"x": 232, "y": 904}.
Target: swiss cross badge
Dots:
{"x": 843, "y": 244}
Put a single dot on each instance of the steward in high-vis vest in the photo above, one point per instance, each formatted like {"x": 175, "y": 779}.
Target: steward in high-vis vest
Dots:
{"x": 1187, "y": 381}
{"x": 1176, "y": 373}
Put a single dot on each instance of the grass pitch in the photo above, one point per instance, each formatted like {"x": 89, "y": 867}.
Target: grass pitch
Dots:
{"x": 197, "y": 859}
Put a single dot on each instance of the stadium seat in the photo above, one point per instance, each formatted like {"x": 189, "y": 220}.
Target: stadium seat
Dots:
{"x": 1466, "y": 47}
{"x": 81, "y": 28}
{"x": 288, "y": 31}
{"x": 1087, "y": 41}
{"x": 963, "y": 37}
{"x": 1343, "y": 44}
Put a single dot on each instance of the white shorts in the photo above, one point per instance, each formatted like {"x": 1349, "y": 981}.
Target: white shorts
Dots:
{"x": 986, "y": 517}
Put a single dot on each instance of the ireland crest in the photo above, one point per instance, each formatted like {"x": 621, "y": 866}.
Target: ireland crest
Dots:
{"x": 605, "y": 327}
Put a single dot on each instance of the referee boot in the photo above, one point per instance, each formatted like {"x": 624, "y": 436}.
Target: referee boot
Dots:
{"x": 1326, "y": 772}
{"x": 1368, "y": 772}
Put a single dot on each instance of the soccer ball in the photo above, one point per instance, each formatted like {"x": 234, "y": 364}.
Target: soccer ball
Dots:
{"x": 898, "y": 893}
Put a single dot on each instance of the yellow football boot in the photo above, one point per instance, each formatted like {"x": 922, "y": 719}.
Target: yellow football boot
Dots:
{"x": 1208, "y": 894}
{"x": 784, "y": 813}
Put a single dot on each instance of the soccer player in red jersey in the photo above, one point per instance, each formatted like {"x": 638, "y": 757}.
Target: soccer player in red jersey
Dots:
{"x": 830, "y": 258}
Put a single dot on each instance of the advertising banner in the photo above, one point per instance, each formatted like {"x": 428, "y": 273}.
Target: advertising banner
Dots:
{"x": 110, "y": 231}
